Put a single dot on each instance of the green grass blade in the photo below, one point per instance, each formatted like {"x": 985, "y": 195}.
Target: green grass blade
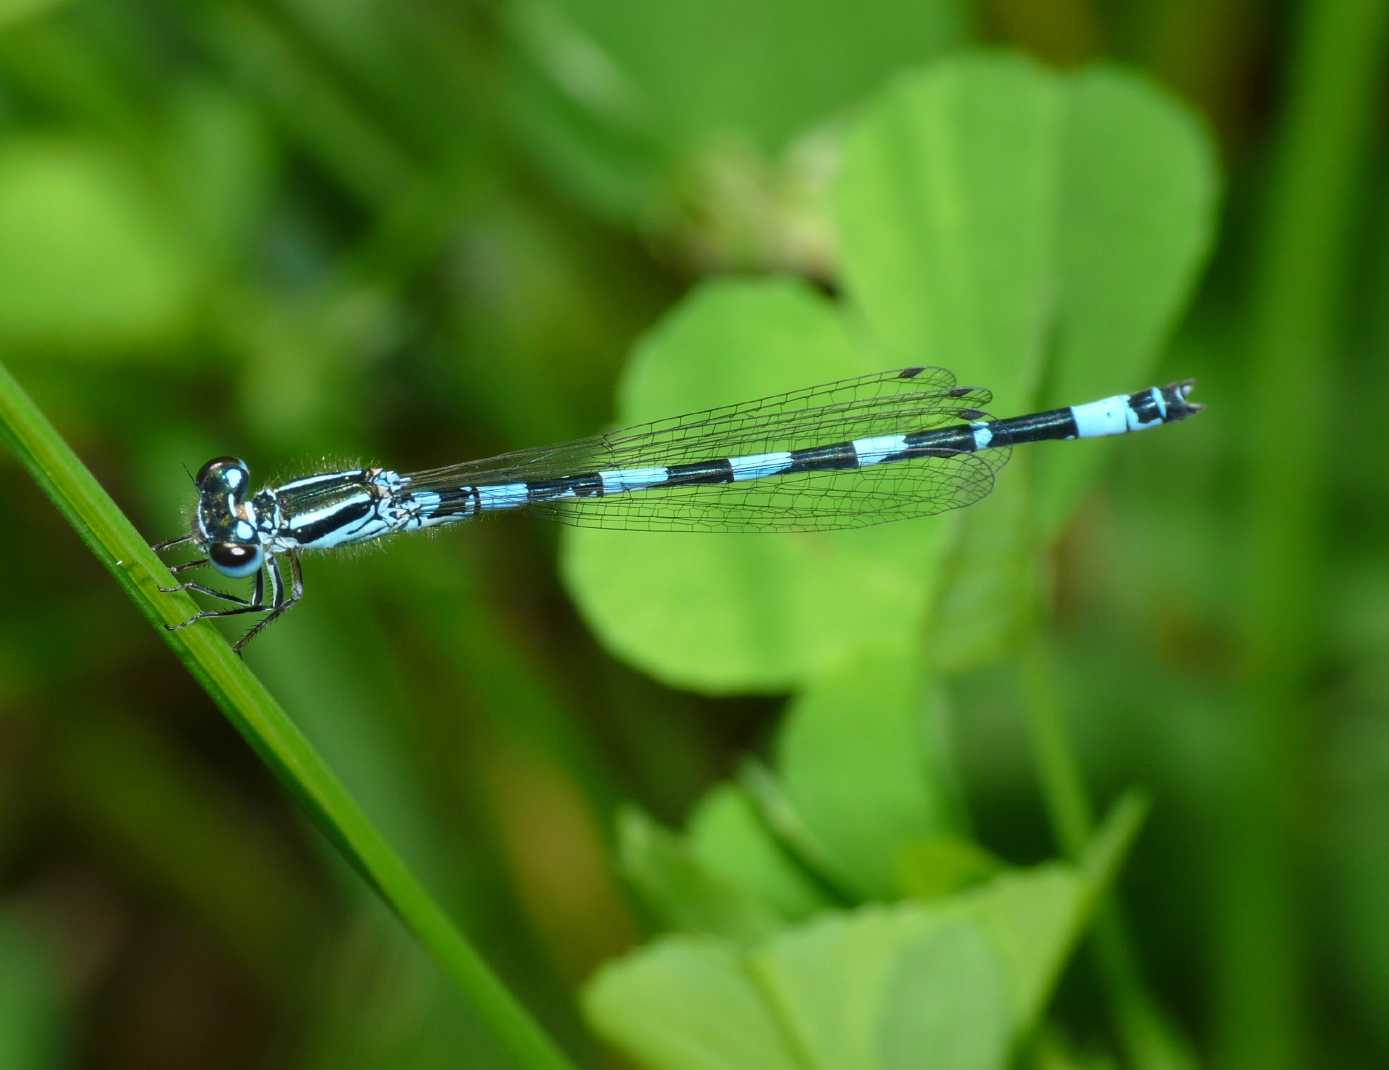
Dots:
{"x": 262, "y": 722}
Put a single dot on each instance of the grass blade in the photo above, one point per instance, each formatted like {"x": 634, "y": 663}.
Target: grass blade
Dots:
{"x": 241, "y": 697}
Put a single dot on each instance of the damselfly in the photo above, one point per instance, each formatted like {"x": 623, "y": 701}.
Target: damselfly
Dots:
{"x": 853, "y": 453}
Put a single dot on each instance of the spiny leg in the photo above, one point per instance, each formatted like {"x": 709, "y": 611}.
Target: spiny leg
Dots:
{"x": 256, "y": 604}
{"x": 168, "y": 544}
{"x": 201, "y": 588}
{"x": 184, "y": 566}
{"x": 212, "y": 592}
{"x": 279, "y": 602}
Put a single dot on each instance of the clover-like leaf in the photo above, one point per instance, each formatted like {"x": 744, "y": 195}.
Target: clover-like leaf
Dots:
{"x": 1038, "y": 233}
{"x": 728, "y": 835}
{"x": 721, "y": 613}
{"x": 862, "y": 760}
{"x": 959, "y": 980}
{"x": 681, "y": 891}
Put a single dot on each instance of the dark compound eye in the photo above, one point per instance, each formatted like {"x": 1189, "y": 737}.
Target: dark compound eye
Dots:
{"x": 227, "y": 473}
{"x": 235, "y": 558}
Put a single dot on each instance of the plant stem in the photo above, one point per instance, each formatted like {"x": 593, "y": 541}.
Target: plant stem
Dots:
{"x": 264, "y": 724}
{"x": 1149, "y": 1041}
{"x": 1301, "y": 266}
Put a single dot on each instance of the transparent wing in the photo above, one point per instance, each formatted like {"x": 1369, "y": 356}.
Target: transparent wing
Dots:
{"x": 812, "y": 501}
{"x": 900, "y": 401}
{"x": 890, "y": 401}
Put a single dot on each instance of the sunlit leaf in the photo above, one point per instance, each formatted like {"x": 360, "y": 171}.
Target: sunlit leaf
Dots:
{"x": 861, "y": 759}
{"x": 946, "y": 1005}
{"x": 962, "y": 979}
{"x": 720, "y": 613}
{"x": 1038, "y": 233}
{"x": 948, "y": 213}
{"x": 687, "y": 1003}
{"x": 680, "y": 891}
{"x": 727, "y": 834}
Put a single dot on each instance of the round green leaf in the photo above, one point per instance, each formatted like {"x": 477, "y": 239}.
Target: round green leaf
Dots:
{"x": 861, "y": 760}
{"x": 1138, "y": 194}
{"x": 947, "y": 216}
{"x": 988, "y": 206}
{"x": 725, "y": 613}
{"x": 683, "y": 892}
{"x": 729, "y": 837}
{"x": 1038, "y": 233}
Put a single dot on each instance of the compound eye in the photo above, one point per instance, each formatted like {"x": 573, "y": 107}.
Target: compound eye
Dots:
{"x": 224, "y": 473}
{"x": 235, "y": 558}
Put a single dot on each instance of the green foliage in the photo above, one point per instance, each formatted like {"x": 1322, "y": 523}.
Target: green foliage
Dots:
{"x": 425, "y": 232}
{"x": 622, "y": 100}
{"x": 978, "y": 219}
{"x": 959, "y": 979}
{"x": 869, "y": 744}
{"x": 763, "y": 629}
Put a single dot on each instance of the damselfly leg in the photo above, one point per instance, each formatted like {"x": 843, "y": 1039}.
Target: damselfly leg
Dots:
{"x": 280, "y": 599}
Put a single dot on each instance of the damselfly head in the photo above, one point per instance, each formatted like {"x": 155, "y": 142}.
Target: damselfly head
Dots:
{"x": 226, "y": 523}
{"x": 223, "y": 475}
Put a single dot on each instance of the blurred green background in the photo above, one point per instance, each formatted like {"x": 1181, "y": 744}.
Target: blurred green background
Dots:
{"x": 309, "y": 232}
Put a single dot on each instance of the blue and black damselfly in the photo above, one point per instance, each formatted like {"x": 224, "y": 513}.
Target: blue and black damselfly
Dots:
{"x": 853, "y": 453}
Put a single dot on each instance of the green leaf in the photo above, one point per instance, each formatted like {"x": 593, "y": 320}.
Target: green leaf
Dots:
{"x": 988, "y": 206}
{"x": 967, "y": 234}
{"x": 687, "y": 1003}
{"x": 1139, "y": 191}
{"x": 861, "y": 759}
{"x": 617, "y": 97}
{"x": 991, "y": 585}
{"x": 719, "y": 614}
{"x": 681, "y": 891}
{"x": 727, "y": 834}
{"x": 947, "y": 216}
{"x": 88, "y": 260}
{"x": 964, "y": 978}
{"x": 829, "y": 979}
{"x": 1039, "y": 233}
{"x": 933, "y": 868}
{"x": 946, "y": 1005}
{"x": 1036, "y": 919}
{"x": 260, "y": 720}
